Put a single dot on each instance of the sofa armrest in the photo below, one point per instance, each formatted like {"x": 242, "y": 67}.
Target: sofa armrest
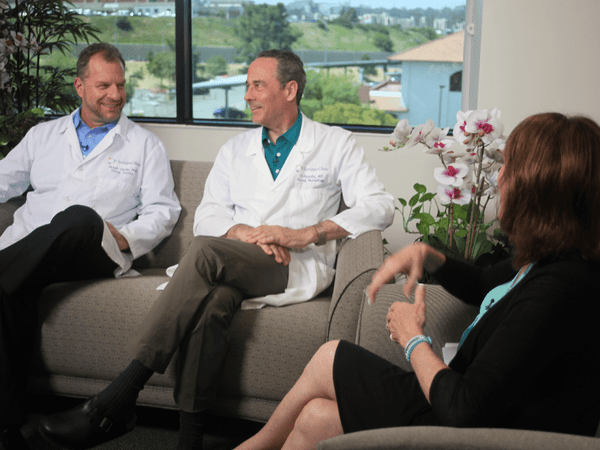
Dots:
{"x": 444, "y": 438}
{"x": 446, "y": 317}
{"x": 357, "y": 260}
{"x": 7, "y": 211}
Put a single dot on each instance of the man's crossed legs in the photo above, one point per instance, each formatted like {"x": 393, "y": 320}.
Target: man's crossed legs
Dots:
{"x": 191, "y": 315}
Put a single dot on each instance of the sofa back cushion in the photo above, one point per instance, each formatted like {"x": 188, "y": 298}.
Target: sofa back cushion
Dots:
{"x": 189, "y": 177}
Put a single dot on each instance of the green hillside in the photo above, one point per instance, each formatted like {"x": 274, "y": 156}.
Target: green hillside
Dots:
{"x": 219, "y": 32}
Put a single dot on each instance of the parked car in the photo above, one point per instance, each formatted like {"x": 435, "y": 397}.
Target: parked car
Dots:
{"x": 229, "y": 113}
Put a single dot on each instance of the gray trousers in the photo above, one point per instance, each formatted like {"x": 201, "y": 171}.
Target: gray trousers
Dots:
{"x": 194, "y": 312}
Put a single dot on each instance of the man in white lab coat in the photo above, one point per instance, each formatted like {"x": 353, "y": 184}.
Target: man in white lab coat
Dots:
{"x": 267, "y": 232}
{"x": 102, "y": 195}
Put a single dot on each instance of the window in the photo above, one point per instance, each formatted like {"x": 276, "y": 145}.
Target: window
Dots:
{"x": 367, "y": 66}
{"x": 456, "y": 82}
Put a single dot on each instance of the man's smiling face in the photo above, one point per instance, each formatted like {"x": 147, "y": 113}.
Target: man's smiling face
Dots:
{"x": 265, "y": 95}
{"x": 102, "y": 91}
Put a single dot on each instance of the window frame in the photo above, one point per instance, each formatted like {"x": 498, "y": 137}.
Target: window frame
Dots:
{"x": 184, "y": 79}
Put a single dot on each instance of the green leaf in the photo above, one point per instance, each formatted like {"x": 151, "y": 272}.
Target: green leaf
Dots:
{"x": 425, "y": 218}
{"x": 420, "y": 188}
{"x": 402, "y": 201}
{"x": 427, "y": 197}
{"x": 413, "y": 201}
{"x": 460, "y": 243}
{"x": 423, "y": 228}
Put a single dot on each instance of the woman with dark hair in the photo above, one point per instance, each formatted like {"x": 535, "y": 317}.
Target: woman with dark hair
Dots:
{"x": 530, "y": 359}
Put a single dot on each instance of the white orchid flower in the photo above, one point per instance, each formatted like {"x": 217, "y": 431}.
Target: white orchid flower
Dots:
{"x": 491, "y": 180}
{"x": 453, "y": 175}
{"x": 470, "y": 158}
{"x": 489, "y": 165}
{"x": 459, "y": 129}
{"x": 18, "y": 39}
{"x": 419, "y": 133}
{"x": 401, "y": 133}
{"x": 436, "y": 141}
{"x": 4, "y": 79}
{"x": 494, "y": 149}
{"x": 485, "y": 124}
{"x": 452, "y": 194}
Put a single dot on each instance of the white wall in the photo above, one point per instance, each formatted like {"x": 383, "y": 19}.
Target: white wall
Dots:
{"x": 536, "y": 56}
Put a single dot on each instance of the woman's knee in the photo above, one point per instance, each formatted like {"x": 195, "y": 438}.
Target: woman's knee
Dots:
{"x": 318, "y": 415}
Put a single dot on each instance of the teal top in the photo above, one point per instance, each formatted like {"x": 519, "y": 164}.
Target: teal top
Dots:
{"x": 492, "y": 298}
{"x": 277, "y": 153}
{"x": 89, "y": 138}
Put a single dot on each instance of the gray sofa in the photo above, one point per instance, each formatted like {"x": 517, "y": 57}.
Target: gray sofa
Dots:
{"x": 84, "y": 325}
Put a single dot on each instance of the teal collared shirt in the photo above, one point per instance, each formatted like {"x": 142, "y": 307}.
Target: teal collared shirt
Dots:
{"x": 277, "y": 153}
{"x": 89, "y": 138}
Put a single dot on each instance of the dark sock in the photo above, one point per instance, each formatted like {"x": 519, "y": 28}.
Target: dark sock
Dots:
{"x": 120, "y": 396}
{"x": 191, "y": 430}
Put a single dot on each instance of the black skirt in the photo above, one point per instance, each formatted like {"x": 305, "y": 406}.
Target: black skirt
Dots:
{"x": 373, "y": 393}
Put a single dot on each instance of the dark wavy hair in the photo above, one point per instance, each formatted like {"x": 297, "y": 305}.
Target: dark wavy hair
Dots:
{"x": 109, "y": 52}
{"x": 289, "y": 68}
{"x": 551, "y": 188}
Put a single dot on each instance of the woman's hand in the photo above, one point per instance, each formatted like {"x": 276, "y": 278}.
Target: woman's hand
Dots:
{"x": 406, "y": 320}
{"x": 411, "y": 261}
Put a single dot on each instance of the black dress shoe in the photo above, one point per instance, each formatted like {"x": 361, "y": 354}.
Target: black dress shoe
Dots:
{"x": 84, "y": 426}
{"x": 12, "y": 439}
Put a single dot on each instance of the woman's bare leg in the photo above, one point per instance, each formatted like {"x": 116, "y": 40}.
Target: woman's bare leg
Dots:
{"x": 316, "y": 382}
{"x": 319, "y": 420}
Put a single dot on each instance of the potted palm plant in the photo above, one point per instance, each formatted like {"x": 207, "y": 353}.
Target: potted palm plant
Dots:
{"x": 30, "y": 30}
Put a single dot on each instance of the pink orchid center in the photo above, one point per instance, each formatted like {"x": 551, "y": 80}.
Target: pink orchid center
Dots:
{"x": 486, "y": 127}
{"x": 451, "y": 172}
{"x": 439, "y": 145}
{"x": 454, "y": 193}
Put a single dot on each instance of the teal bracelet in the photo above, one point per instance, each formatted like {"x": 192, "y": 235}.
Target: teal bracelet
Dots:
{"x": 413, "y": 343}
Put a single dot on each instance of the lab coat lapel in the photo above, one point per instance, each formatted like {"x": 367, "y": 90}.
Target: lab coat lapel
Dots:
{"x": 257, "y": 152}
{"x": 71, "y": 135}
{"x": 305, "y": 145}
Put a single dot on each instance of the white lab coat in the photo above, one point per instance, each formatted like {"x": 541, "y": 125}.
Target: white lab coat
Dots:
{"x": 324, "y": 164}
{"x": 126, "y": 179}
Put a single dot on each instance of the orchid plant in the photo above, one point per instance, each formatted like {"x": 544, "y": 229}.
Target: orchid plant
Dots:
{"x": 470, "y": 162}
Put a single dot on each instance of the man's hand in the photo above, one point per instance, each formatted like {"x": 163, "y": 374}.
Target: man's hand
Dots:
{"x": 281, "y": 254}
{"x": 285, "y": 237}
{"x": 121, "y": 241}
{"x": 247, "y": 234}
